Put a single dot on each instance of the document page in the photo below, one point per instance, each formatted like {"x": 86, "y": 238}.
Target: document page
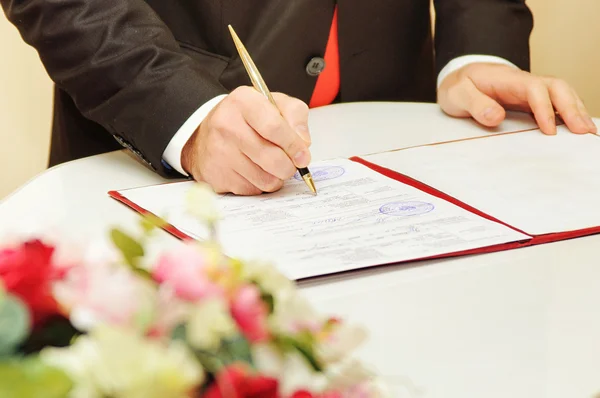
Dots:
{"x": 536, "y": 183}
{"x": 359, "y": 218}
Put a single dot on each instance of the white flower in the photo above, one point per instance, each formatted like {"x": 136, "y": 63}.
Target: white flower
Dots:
{"x": 291, "y": 369}
{"x": 356, "y": 381}
{"x": 202, "y": 203}
{"x": 294, "y": 313}
{"x": 269, "y": 279}
{"x": 121, "y": 364}
{"x": 209, "y": 323}
{"x": 267, "y": 359}
{"x": 340, "y": 343}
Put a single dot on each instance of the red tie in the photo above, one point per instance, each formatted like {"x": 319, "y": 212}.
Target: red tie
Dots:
{"x": 328, "y": 82}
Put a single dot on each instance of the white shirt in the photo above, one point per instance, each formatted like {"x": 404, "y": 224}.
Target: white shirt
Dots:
{"x": 172, "y": 154}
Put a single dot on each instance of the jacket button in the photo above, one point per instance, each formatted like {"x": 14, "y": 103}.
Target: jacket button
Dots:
{"x": 315, "y": 66}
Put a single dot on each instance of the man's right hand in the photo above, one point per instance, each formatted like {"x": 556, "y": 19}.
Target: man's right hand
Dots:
{"x": 245, "y": 146}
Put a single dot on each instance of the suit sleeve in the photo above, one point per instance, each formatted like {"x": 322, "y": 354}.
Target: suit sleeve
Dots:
{"x": 499, "y": 28}
{"x": 121, "y": 66}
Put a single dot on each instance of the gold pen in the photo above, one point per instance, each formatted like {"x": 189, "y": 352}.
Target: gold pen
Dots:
{"x": 260, "y": 85}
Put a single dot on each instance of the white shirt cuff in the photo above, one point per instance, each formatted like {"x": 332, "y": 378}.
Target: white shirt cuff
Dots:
{"x": 459, "y": 62}
{"x": 172, "y": 154}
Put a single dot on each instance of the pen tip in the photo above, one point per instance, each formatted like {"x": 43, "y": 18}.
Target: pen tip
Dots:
{"x": 311, "y": 184}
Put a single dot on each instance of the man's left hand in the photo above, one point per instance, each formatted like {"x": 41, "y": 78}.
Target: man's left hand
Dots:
{"x": 483, "y": 91}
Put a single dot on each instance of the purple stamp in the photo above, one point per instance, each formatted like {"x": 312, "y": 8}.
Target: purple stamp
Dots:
{"x": 323, "y": 173}
{"x": 406, "y": 209}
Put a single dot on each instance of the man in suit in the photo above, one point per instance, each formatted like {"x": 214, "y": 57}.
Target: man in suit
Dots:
{"x": 164, "y": 79}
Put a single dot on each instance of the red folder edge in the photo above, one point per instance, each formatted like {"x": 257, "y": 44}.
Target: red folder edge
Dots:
{"x": 167, "y": 227}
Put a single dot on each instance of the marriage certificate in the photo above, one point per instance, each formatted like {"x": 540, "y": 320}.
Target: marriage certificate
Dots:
{"x": 360, "y": 218}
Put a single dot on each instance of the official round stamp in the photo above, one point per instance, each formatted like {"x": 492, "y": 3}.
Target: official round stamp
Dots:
{"x": 323, "y": 173}
{"x": 406, "y": 209}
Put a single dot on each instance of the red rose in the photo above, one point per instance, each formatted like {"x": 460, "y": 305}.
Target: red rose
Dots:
{"x": 236, "y": 381}
{"x": 302, "y": 394}
{"x": 27, "y": 272}
{"x": 307, "y": 394}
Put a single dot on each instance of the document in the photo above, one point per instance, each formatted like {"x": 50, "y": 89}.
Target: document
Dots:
{"x": 536, "y": 183}
{"x": 359, "y": 218}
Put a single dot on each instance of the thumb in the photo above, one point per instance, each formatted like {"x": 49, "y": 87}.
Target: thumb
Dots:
{"x": 464, "y": 99}
{"x": 295, "y": 112}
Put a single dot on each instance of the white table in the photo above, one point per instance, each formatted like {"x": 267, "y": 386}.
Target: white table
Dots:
{"x": 520, "y": 324}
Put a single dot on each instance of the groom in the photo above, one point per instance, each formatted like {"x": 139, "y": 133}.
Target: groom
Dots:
{"x": 163, "y": 78}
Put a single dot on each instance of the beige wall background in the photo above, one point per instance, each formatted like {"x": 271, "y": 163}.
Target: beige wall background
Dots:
{"x": 565, "y": 43}
{"x": 25, "y": 110}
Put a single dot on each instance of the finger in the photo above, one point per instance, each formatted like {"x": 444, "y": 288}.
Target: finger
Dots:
{"x": 237, "y": 136}
{"x": 539, "y": 101}
{"x": 256, "y": 176}
{"x": 465, "y": 99}
{"x": 223, "y": 179}
{"x": 267, "y": 156}
{"x": 215, "y": 157}
{"x": 566, "y": 103}
{"x": 593, "y": 128}
{"x": 266, "y": 120}
{"x": 296, "y": 114}
{"x": 233, "y": 182}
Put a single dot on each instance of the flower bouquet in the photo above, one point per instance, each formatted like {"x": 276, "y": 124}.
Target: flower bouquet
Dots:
{"x": 189, "y": 323}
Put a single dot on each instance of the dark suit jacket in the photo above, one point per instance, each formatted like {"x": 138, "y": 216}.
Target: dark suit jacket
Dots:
{"x": 135, "y": 70}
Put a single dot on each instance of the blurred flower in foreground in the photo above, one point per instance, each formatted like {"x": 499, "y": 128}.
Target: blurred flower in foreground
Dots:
{"x": 28, "y": 271}
{"x": 111, "y": 362}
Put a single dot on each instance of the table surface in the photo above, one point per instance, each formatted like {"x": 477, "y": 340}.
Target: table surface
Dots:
{"x": 521, "y": 323}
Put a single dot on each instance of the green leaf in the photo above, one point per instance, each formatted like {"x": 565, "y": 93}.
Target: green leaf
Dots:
{"x": 179, "y": 333}
{"x": 209, "y": 361}
{"x": 30, "y": 377}
{"x": 236, "y": 349}
{"x": 232, "y": 350}
{"x": 3, "y": 292}
{"x": 269, "y": 300}
{"x": 131, "y": 249}
{"x": 304, "y": 344}
{"x": 150, "y": 222}
{"x": 15, "y": 324}
{"x": 57, "y": 331}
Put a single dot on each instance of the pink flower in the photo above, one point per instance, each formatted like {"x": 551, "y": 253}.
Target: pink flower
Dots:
{"x": 104, "y": 293}
{"x": 365, "y": 389}
{"x": 250, "y": 313}
{"x": 186, "y": 271}
{"x": 170, "y": 312}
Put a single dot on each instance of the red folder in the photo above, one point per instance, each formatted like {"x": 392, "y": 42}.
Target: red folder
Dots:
{"x": 535, "y": 239}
